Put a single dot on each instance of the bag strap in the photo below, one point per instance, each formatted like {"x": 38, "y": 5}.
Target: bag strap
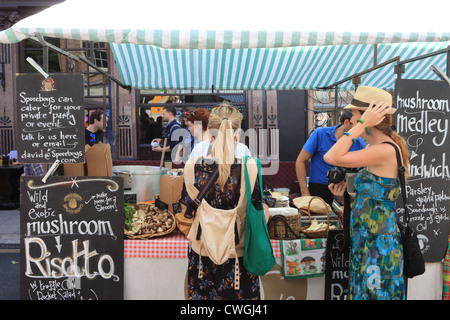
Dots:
{"x": 196, "y": 202}
{"x": 248, "y": 188}
{"x": 401, "y": 176}
{"x": 206, "y": 188}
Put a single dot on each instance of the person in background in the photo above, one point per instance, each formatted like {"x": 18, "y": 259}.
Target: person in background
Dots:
{"x": 320, "y": 141}
{"x": 204, "y": 148}
{"x": 156, "y": 129}
{"x": 376, "y": 251}
{"x": 94, "y": 131}
{"x": 197, "y": 124}
{"x": 33, "y": 169}
{"x": 217, "y": 281}
{"x": 169, "y": 115}
{"x": 145, "y": 124}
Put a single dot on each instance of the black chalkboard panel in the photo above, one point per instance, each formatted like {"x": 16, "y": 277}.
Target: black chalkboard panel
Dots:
{"x": 422, "y": 118}
{"x": 50, "y": 118}
{"x": 336, "y": 267}
{"x": 72, "y": 244}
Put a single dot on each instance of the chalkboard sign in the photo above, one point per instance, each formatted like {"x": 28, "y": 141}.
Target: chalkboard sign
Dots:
{"x": 72, "y": 244}
{"x": 422, "y": 118}
{"x": 50, "y": 118}
{"x": 337, "y": 265}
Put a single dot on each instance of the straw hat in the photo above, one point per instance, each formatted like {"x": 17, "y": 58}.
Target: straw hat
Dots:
{"x": 365, "y": 95}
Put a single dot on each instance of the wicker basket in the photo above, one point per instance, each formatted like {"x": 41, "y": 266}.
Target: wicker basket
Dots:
{"x": 145, "y": 236}
{"x": 316, "y": 233}
{"x": 183, "y": 224}
{"x": 283, "y": 227}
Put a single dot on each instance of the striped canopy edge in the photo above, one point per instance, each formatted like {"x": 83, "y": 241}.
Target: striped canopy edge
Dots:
{"x": 222, "y": 39}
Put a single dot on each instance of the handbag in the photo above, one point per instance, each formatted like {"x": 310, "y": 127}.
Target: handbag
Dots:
{"x": 284, "y": 227}
{"x": 258, "y": 251}
{"x": 184, "y": 215}
{"x": 413, "y": 262}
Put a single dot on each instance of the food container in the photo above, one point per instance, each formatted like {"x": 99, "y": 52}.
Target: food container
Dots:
{"x": 141, "y": 180}
{"x": 283, "y": 191}
{"x": 284, "y": 211}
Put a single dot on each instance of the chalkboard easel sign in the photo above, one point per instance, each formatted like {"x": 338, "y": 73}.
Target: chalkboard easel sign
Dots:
{"x": 50, "y": 118}
{"x": 72, "y": 245}
{"x": 337, "y": 267}
{"x": 422, "y": 119}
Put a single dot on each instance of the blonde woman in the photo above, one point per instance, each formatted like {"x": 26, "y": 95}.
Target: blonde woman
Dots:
{"x": 376, "y": 252}
{"x": 218, "y": 281}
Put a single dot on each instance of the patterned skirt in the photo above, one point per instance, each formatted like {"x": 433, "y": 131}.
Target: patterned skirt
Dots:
{"x": 217, "y": 282}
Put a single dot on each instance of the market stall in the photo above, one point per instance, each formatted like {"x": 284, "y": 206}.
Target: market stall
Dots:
{"x": 288, "y": 48}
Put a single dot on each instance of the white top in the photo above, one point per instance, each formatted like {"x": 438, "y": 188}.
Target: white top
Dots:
{"x": 201, "y": 150}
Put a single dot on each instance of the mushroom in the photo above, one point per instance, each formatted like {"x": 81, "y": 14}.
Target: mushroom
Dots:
{"x": 308, "y": 262}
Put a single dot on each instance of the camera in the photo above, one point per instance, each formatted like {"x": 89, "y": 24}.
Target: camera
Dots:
{"x": 338, "y": 174}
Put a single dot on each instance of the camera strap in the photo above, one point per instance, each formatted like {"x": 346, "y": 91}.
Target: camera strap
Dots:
{"x": 344, "y": 242}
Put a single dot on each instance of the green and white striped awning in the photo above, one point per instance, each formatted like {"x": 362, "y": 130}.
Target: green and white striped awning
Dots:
{"x": 306, "y": 67}
{"x": 236, "y": 24}
{"x": 283, "y": 44}
{"x": 226, "y": 39}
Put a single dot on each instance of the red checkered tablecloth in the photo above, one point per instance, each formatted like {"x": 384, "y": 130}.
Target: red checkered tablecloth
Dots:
{"x": 174, "y": 245}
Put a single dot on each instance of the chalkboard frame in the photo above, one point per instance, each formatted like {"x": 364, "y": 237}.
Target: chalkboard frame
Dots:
{"x": 72, "y": 241}
{"x": 50, "y": 118}
{"x": 337, "y": 267}
{"x": 424, "y": 149}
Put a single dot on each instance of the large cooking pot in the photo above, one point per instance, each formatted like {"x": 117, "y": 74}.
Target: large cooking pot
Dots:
{"x": 141, "y": 180}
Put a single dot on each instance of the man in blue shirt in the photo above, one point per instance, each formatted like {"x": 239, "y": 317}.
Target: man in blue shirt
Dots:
{"x": 169, "y": 115}
{"x": 320, "y": 141}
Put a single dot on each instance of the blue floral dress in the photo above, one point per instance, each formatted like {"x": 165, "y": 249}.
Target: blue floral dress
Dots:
{"x": 376, "y": 256}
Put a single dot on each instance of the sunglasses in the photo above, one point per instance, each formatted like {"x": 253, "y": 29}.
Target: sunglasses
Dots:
{"x": 93, "y": 137}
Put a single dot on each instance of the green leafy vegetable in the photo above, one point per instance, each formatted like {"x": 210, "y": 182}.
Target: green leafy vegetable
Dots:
{"x": 129, "y": 212}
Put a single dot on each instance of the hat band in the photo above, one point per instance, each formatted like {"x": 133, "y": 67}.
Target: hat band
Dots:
{"x": 359, "y": 103}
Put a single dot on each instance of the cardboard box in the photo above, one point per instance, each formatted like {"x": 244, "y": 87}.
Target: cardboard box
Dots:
{"x": 98, "y": 162}
{"x": 170, "y": 188}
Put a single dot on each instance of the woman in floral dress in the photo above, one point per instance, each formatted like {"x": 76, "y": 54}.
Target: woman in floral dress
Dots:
{"x": 217, "y": 281}
{"x": 376, "y": 253}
